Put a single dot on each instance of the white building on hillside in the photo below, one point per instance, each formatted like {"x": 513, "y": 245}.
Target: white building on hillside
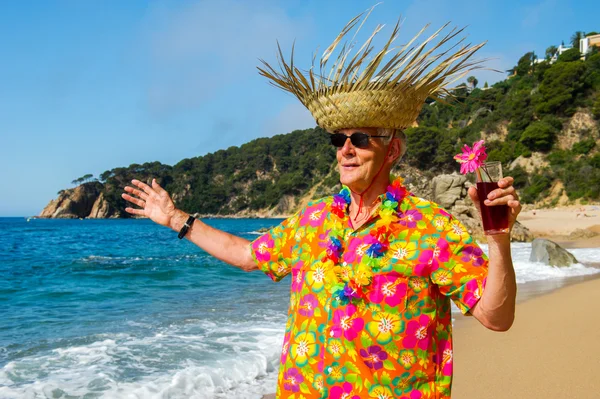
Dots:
{"x": 587, "y": 43}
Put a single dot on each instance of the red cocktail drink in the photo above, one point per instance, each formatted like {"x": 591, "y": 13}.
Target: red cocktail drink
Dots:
{"x": 494, "y": 218}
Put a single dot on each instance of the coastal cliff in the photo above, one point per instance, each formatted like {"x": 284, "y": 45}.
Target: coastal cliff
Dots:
{"x": 84, "y": 201}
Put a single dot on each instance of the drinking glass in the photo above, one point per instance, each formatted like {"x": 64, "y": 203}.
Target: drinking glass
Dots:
{"x": 495, "y": 217}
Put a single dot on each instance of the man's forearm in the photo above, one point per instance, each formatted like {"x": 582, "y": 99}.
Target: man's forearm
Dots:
{"x": 496, "y": 308}
{"x": 224, "y": 246}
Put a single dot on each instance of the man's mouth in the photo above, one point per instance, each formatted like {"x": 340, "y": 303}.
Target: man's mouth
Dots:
{"x": 350, "y": 165}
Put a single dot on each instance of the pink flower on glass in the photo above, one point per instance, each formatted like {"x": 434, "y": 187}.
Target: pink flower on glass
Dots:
{"x": 473, "y": 254}
{"x": 472, "y": 293}
{"x": 292, "y": 380}
{"x": 389, "y": 288}
{"x": 346, "y": 323}
{"x": 417, "y": 333}
{"x": 357, "y": 248}
{"x": 471, "y": 158}
{"x": 374, "y": 356}
{"x": 342, "y": 392}
{"x": 314, "y": 215}
{"x": 307, "y": 305}
{"x": 262, "y": 248}
{"x": 410, "y": 218}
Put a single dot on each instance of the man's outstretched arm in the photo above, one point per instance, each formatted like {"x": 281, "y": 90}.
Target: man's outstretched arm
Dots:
{"x": 157, "y": 205}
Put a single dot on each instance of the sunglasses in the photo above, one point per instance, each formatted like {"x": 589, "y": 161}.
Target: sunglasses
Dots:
{"x": 358, "y": 139}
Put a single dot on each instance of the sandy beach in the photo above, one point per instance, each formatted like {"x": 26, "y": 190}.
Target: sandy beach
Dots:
{"x": 571, "y": 227}
{"x": 552, "y": 350}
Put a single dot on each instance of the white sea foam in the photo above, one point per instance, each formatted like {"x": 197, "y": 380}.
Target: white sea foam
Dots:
{"x": 527, "y": 271}
{"x": 201, "y": 360}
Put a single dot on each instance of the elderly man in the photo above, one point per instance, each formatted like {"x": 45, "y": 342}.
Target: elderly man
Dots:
{"x": 373, "y": 267}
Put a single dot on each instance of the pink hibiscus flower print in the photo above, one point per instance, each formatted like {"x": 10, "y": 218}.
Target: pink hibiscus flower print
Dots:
{"x": 472, "y": 293}
{"x": 442, "y": 250}
{"x": 357, "y": 248}
{"x": 285, "y": 348}
{"x": 292, "y": 380}
{"x": 313, "y": 215}
{"x": 262, "y": 248}
{"x": 410, "y": 218}
{"x": 390, "y": 288}
{"x": 414, "y": 394}
{"x": 342, "y": 392}
{"x": 471, "y": 158}
{"x": 374, "y": 356}
{"x": 347, "y": 323}
{"x": 297, "y": 276}
{"x": 307, "y": 305}
{"x": 417, "y": 333}
{"x": 444, "y": 357}
{"x": 427, "y": 263}
{"x": 473, "y": 254}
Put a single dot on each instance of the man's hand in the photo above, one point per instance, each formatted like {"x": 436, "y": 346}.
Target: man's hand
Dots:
{"x": 155, "y": 202}
{"x": 504, "y": 195}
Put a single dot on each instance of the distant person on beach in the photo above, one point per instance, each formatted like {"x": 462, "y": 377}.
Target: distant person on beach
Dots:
{"x": 374, "y": 267}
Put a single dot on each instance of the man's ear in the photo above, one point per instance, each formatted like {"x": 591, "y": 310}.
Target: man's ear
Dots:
{"x": 395, "y": 150}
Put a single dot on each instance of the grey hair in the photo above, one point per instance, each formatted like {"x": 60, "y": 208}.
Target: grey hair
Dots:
{"x": 397, "y": 133}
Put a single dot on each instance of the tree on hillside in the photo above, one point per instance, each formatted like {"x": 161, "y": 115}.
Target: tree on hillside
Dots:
{"x": 472, "y": 81}
{"x": 591, "y": 34}
{"x": 485, "y": 85}
{"x": 86, "y": 178}
{"x": 577, "y": 36}
{"x": 550, "y": 51}
{"x": 526, "y": 64}
{"x": 570, "y": 55}
{"x": 561, "y": 89}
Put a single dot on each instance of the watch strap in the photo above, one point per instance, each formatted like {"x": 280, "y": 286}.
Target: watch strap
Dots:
{"x": 186, "y": 227}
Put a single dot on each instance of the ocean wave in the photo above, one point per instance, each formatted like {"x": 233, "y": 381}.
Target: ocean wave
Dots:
{"x": 199, "y": 359}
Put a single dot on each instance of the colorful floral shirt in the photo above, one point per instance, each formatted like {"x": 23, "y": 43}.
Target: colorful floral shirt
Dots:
{"x": 395, "y": 340}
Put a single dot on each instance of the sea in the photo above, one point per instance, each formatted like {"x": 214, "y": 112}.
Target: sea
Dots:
{"x": 123, "y": 309}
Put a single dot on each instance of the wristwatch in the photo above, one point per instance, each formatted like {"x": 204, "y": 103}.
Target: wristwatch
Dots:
{"x": 186, "y": 227}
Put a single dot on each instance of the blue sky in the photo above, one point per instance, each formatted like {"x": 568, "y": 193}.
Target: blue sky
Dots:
{"x": 86, "y": 86}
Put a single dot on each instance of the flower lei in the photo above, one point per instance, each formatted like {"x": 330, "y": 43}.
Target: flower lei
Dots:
{"x": 353, "y": 285}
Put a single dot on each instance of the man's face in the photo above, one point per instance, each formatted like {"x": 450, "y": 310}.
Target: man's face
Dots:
{"x": 359, "y": 166}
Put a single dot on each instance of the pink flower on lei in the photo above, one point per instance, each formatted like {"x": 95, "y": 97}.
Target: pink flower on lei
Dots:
{"x": 471, "y": 158}
{"x": 346, "y": 323}
{"x": 389, "y": 288}
{"x": 417, "y": 333}
{"x": 262, "y": 248}
{"x": 342, "y": 392}
{"x": 292, "y": 380}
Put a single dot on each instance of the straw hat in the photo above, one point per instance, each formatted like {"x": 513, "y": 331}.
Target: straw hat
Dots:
{"x": 386, "y": 89}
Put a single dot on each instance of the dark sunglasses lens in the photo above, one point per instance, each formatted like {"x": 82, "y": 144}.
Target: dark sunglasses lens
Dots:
{"x": 360, "y": 140}
{"x": 338, "y": 139}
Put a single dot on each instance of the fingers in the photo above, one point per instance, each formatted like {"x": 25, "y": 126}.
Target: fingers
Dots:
{"x": 139, "y": 193}
{"x": 474, "y": 197}
{"x": 134, "y": 211}
{"x": 133, "y": 200}
{"x": 158, "y": 188}
{"x": 505, "y": 182}
{"x": 500, "y": 194}
{"x": 147, "y": 189}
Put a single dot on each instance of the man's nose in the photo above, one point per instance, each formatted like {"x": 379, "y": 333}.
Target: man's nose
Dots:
{"x": 348, "y": 146}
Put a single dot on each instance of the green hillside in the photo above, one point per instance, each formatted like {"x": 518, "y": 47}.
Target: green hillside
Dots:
{"x": 545, "y": 112}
